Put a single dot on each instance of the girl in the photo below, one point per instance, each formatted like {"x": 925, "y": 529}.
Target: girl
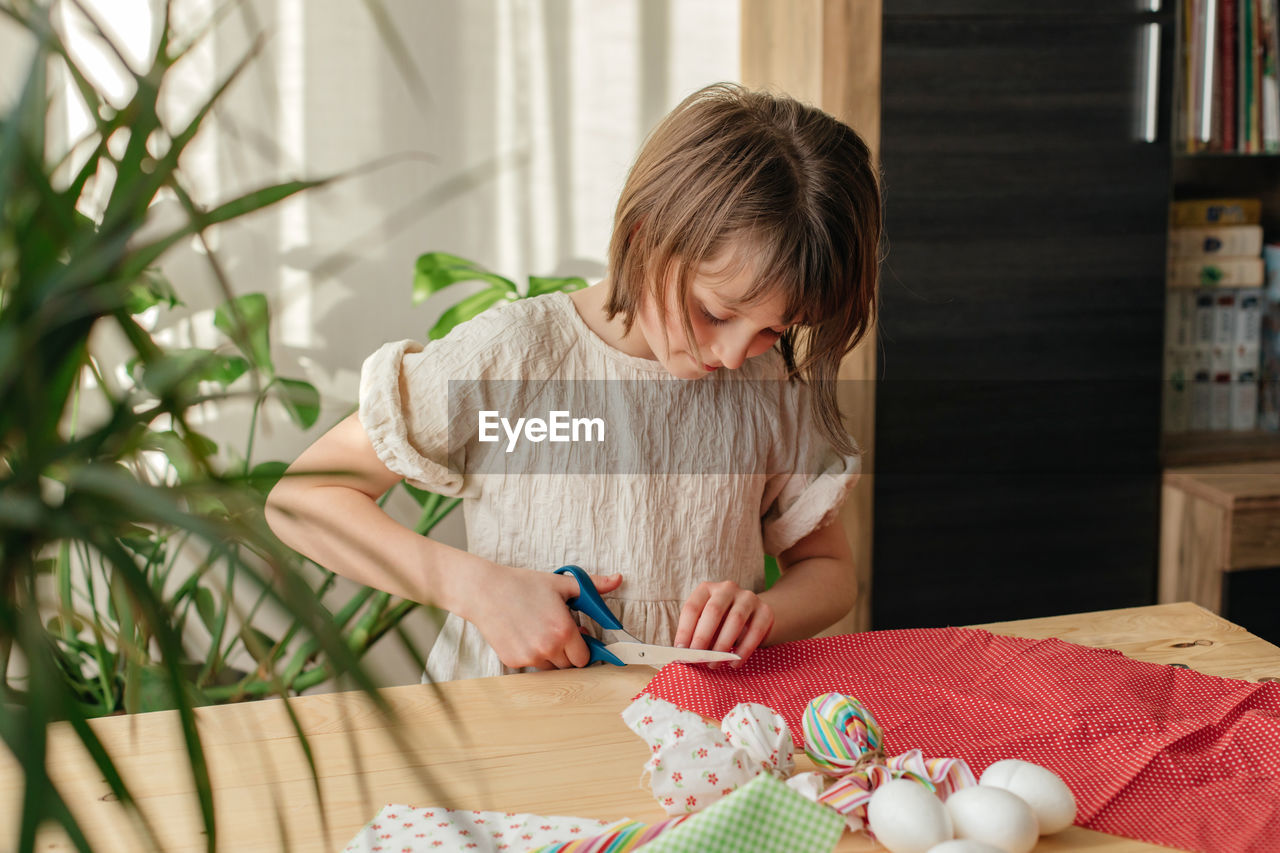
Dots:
{"x": 746, "y": 240}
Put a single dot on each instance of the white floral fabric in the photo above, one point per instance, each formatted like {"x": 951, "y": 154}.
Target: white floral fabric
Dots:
{"x": 696, "y": 763}
{"x": 436, "y": 830}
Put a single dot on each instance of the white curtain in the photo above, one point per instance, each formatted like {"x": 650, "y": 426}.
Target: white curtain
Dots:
{"x": 512, "y": 153}
{"x": 503, "y": 130}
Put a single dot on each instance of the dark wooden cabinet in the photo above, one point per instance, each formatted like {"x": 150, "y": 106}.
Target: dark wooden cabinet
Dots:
{"x": 1017, "y": 468}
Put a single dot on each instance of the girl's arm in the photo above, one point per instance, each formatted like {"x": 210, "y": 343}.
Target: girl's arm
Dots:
{"x": 326, "y": 508}
{"x": 816, "y": 588}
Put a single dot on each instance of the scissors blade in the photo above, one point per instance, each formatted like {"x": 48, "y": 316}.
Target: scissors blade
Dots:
{"x": 647, "y": 653}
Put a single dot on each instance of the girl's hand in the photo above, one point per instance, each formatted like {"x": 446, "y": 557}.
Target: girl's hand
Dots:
{"x": 523, "y": 615}
{"x": 725, "y": 617}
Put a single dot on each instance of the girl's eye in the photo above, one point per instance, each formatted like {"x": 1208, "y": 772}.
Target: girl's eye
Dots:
{"x": 712, "y": 318}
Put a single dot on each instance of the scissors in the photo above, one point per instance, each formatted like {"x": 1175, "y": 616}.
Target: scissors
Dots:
{"x": 627, "y": 649}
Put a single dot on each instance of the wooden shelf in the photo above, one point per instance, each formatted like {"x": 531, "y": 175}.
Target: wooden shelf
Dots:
{"x": 1232, "y": 155}
{"x": 1232, "y": 176}
{"x": 1213, "y": 448}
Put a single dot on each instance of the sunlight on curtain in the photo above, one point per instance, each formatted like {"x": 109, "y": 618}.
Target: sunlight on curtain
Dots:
{"x": 533, "y": 111}
{"x": 129, "y": 24}
{"x": 291, "y": 68}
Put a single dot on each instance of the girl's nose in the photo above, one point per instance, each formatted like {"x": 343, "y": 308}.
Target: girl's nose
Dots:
{"x": 732, "y": 353}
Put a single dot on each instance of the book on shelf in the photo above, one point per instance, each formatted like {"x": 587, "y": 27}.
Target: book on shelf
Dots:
{"x": 1269, "y": 344}
{"x": 1269, "y": 75}
{"x": 1245, "y": 53}
{"x": 1222, "y": 351}
{"x": 1220, "y": 240}
{"x": 1215, "y": 271}
{"x": 1230, "y": 87}
{"x": 1191, "y": 213}
{"x": 1226, "y": 87}
{"x": 1215, "y": 305}
{"x": 1213, "y": 356}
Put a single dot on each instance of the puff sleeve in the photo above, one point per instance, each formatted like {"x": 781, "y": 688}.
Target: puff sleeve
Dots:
{"x": 404, "y": 409}
{"x": 814, "y": 481}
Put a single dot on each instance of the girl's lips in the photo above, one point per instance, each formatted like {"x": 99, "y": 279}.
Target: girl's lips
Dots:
{"x": 710, "y": 368}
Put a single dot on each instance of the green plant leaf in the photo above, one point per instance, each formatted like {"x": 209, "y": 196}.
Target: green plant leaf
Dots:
{"x": 188, "y": 454}
{"x": 474, "y": 304}
{"x": 179, "y": 371}
{"x": 146, "y": 255}
{"x": 150, "y": 289}
{"x": 147, "y": 544}
{"x": 199, "y": 443}
{"x": 771, "y": 571}
{"x": 206, "y": 608}
{"x": 420, "y": 496}
{"x": 435, "y": 271}
{"x": 301, "y": 400}
{"x": 108, "y": 769}
{"x": 257, "y": 644}
{"x": 154, "y": 690}
{"x": 431, "y": 516}
{"x": 207, "y": 506}
{"x": 359, "y": 639}
{"x": 60, "y": 275}
{"x": 539, "y": 285}
{"x": 265, "y": 475}
{"x": 18, "y": 511}
{"x": 158, "y": 690}
{"x": 246, "y": 320}
{"x": 24, "y": 730}
{"x": 70, "y": 625}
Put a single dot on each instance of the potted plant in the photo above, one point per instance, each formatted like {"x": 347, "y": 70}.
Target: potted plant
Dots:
{"x": 122, "y": 524}
{"x": 79, "y": 488}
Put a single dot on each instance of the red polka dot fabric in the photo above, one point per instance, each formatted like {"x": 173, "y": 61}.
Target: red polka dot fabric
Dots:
{"x": 1152, "y": 752}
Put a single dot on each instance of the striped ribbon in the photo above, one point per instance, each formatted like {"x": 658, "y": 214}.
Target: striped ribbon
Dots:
{"x": 621, "y": 837}
{"x": 844, "y": 740}
{"x": 838, "y": 732}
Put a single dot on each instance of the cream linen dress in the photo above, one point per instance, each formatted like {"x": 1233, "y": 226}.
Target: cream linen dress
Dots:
{"x": 666, "y": 529}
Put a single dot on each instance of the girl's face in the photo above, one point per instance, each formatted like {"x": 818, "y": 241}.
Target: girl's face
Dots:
{"x": 727, "y": 331}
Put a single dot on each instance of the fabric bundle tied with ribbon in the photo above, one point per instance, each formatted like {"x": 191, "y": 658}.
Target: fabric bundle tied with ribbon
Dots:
{"x": 695, "y": 763}
{"x": 846, "y": 743}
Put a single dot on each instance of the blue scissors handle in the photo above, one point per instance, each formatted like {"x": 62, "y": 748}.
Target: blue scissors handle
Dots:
{"x": 588, "y": 601}
{"x": 600, "y": 652}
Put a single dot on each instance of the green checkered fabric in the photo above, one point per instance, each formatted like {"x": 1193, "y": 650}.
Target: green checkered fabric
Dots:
{"x": 763, "y": 816}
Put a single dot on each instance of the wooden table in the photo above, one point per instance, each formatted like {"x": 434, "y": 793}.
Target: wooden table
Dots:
{"x": 550, "y": 743}
{"x": 1217, "y": 519}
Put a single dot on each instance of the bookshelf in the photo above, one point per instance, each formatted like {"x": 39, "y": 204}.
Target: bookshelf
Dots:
{"x": 1218, "y": 448}
{"x": 1014, "y": 380}
{"x": 1221, "y": 494}
{"x": 1208, "y": 173}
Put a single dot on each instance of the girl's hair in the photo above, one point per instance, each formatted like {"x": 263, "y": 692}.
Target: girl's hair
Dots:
{"x": 792, "y": 183}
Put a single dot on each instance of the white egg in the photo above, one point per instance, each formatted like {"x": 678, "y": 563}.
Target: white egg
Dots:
{"x": 964, "y": 845}
{"x": 995, "y": 816}
{"x": 908, "y": 818}
{"x": 1044, "y": 790}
